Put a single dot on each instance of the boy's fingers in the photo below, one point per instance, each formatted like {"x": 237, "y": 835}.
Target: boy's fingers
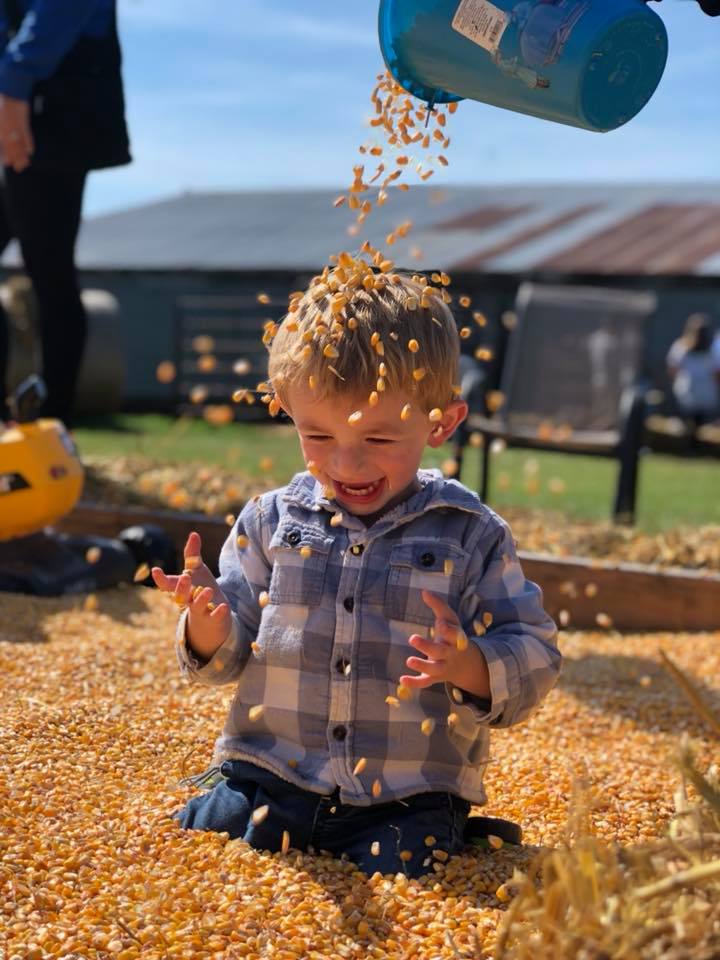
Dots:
{"x": 432, "y": 668}
{"x": 438, "y": 606}
{"x": 162, "y": 581}
{"x": 412, "y": 680}
{"x": 192, "y": 550}
{"x": 222, "y": 610}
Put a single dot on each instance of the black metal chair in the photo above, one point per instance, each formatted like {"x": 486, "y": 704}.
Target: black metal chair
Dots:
{"x": 572, "y": 381}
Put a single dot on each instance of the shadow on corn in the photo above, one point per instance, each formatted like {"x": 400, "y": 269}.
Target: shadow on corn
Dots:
{"x": 636, "y": 688}
{"x": 29, "y": 619}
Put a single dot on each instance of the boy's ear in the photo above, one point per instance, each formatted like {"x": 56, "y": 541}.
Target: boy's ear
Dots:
{"x": 453, "y": 415}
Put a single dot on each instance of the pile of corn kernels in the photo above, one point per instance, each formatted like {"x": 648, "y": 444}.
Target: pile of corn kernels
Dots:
{"x": 216, "y": 492}
{"x": 98, "y": 727}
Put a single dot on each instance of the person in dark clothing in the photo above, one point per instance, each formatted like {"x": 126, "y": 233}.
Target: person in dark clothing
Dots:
{"x": 62, "y": 114}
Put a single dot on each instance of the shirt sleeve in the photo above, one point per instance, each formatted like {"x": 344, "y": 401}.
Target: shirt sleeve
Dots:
{"x": 520, "y": 641}
{"x": 48, "y": 31}
{"x": 245, "y": 571}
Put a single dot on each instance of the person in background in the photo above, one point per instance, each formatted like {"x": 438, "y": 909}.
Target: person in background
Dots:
{"x": 62, "y": 114}
{"x": 694, "y": 370}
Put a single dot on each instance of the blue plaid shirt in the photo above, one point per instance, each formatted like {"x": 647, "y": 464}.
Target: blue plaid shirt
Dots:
{"x": 331, "y": 643}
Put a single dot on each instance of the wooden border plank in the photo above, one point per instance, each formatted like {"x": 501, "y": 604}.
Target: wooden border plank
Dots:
{"x": 633, "y": 596}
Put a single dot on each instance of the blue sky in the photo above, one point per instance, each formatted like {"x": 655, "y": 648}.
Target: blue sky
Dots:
{"x": 238, "y": 94}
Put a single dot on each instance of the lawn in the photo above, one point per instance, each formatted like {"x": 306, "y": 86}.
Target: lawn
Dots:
{"x": 672, "y": 491}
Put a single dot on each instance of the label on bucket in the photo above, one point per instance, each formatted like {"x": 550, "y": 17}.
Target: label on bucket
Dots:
{"x": 482, "y": 22}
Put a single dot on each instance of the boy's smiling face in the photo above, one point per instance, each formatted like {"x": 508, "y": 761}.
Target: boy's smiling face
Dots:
{"x": 372, "y": 464}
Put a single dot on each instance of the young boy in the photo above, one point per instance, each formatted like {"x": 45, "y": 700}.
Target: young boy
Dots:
{"x": 374, "y": 615}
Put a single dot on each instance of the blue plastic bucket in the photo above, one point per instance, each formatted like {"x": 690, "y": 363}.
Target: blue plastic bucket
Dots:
{"x": 587, "y": 63}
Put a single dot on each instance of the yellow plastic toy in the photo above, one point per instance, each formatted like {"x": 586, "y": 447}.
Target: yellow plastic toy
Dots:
{"x": 41, "y": 477}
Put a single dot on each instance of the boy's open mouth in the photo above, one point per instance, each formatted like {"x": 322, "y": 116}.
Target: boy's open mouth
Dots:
{"x": 359, "y": 493}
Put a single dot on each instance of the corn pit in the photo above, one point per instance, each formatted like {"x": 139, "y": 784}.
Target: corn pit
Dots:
{"x": 99, "y": 727}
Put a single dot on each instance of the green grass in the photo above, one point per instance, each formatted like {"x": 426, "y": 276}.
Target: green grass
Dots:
{"x": 672, "y": 491}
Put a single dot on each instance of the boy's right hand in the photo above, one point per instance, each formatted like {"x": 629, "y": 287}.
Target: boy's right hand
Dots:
{"x": 197, "y": 589}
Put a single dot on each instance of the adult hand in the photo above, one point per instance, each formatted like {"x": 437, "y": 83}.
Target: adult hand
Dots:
{"x": 451, "y": 658}
{"x": 16, "y": 139}
{"x": 197, "y": 589}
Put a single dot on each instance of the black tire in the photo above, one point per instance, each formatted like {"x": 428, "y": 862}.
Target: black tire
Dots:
{"x": 151, "y": 545}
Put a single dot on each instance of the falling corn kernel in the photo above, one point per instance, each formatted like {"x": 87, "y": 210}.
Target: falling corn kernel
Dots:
{"x": 264, "y": 599}
{"x": 359, "y": 766}
{"x": 330, "y": 351}
{"x": 306, "y": 552}
{"x": 336, "y": 519}
{"x": 435, "y": 415}
{"x": 413, "y": 346}
{"x": 266, "y": 464}
{"x": 141, "y": 573}
{"x": 376, "y": 788}
{"x": 419, "y": 373}
{"x": 449, "y": 467}
{"x": 355, "y": 417}
{"x": 263, "y": 298}
{"x": 448, "y": 566}
{"x": 487, "y": 618}
{"x": 461, "y": 641}
{"x": 196, "y": 592}
{"x": 375, "y": 848}
{"x": 405, "y": 412}
{"x": 165, "y": 372}
{"x": 502, "y": 893}
{"x": 260, "y": 814}
{"x": 405, "y": 855}
{"x": 403, "y": 692}
{"x": 457, "y": 695}
{"x": 256, "y": 648}
{"x": 373, "y": 399}
{"x": 563, "y": 618}
{"x": 453, "y": 720}
{"x": 465, "y": 301}
{"x": 230, "y": 519}
{"x": 92, "y": 554}
{"x": 603, "y": 620}
{"x": 479, "y": 628}
{"x": 254, "y": 713}
{"x": 91, "y": 602}
{"x": 285, "y": 846}
{"x": 591, "y": 590}
{"x": 392, "y": 701}
{"x": 495, "y": 842}
{"x": 427, "y": 726}
{"x": 430, "y": 841}
{"x": 242, "y": 541}
{"x": 465, "y": 332}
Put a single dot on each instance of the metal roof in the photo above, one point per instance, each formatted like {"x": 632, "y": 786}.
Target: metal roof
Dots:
{"x": 586, "y": 228}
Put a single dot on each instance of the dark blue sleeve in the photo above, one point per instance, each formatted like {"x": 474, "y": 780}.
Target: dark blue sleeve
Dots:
{"x": 48, "y": 30}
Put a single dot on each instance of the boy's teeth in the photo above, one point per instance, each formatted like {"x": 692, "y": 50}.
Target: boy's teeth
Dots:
{"x": 360, "y": 491}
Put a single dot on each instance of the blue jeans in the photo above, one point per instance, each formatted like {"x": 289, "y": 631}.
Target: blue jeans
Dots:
{"x": 320, "y": 823}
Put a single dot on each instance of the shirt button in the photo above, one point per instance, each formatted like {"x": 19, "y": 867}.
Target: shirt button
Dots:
{"x": 294, "y": 537}
{"x": 339, "y": 732}
{"x": 427, "y": 559}
{"x": 357, "y": 549}
{"x": 349, "y": 604}
{"x": 341, "y": 665}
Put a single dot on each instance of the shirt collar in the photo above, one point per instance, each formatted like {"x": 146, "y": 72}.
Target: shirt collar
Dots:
{"x": 435, "y": 492}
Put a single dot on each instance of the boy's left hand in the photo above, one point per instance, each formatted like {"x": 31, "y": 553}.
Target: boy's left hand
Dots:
{"x": 448, "y": 661}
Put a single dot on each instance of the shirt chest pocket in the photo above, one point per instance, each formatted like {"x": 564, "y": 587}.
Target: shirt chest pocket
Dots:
{"x": 432, "y": 565}
{"x": 300, "y": 558}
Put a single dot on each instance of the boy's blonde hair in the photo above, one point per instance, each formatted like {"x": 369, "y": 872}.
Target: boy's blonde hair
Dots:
{"x": 389, "y": 331}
